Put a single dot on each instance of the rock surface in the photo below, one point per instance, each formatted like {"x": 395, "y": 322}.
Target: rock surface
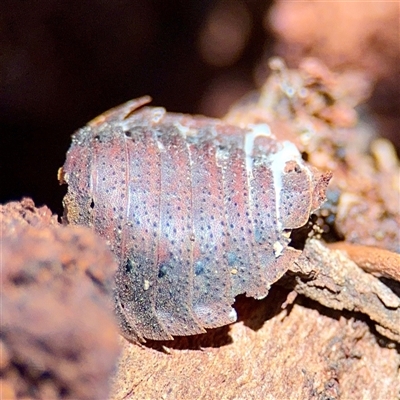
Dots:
{"x": 302, "y": 352}
{"x": 58, "y": 337}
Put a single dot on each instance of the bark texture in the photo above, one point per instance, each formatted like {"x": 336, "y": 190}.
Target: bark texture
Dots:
{"x": 58, "y": 337}
{"x": 304, "y": 351}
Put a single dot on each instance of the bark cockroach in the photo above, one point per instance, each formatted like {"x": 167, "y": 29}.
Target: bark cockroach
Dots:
{"x": 195, "y": 210}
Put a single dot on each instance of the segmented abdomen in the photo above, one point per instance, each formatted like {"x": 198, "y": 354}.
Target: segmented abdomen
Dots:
{"x": 196, "y": 212}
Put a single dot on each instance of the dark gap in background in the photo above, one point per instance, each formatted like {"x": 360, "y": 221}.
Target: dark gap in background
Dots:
{"x": 64, "y": 63}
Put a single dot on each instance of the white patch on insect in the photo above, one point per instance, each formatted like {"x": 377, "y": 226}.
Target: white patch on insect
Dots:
{"x": 185, "y": 131}
{"x": 160, "y": 146}
{"x": 221, "y": 155}
{"x": 277, "y": 161}
{"x": 157, "y": 114}
{"x": 146, "y": 284}
{"x": 278, "y": 249}
{"x": 249, "y": 139}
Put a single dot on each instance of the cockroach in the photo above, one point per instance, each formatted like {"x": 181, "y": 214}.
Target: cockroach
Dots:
{"x": 196, "y": 211}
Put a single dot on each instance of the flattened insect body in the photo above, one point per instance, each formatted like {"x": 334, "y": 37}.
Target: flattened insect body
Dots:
{"x": 195, "y": 210}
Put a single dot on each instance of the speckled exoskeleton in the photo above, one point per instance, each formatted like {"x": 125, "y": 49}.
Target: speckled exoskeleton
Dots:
{"x": 195, "y": 210}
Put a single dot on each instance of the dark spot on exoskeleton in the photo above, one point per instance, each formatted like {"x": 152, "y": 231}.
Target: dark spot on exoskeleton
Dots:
{"x": 222, "y": 147}
{"x": 199, "y": 267}
{"x": 128, "y": 266}
{"x": 103, "y": 136}
{"x": 162, "y": 271}
{"x": 125, "y": 290}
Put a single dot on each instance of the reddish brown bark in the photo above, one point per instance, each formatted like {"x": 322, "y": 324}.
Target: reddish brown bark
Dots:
{"x": 58, "y": 337}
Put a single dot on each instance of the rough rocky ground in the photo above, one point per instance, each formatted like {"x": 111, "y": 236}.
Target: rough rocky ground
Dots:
{"x": 58, "y": 337}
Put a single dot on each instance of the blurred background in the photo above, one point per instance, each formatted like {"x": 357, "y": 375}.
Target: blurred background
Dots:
{"x": 63, "y": 63}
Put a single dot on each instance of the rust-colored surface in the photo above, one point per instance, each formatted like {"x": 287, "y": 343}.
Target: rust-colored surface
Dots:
{"x": 301, "y": 352}
{"x": 20, "y": 215}
{"x": 379, "y": 262}
{"x": 330, "y": 277}
{"x": 58, "y": 335}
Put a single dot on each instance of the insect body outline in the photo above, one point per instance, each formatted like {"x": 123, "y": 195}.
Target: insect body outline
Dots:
{"x": 195, "y": 210}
